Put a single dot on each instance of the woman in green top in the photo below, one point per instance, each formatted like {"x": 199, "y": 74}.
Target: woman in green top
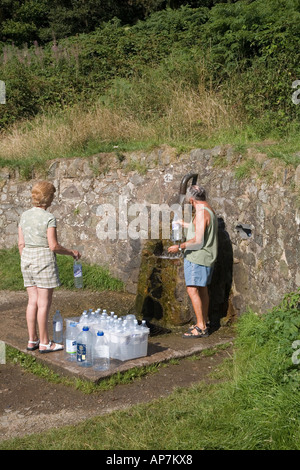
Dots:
{"x": 37, "y": 246}
{"x": 200, "y": 253}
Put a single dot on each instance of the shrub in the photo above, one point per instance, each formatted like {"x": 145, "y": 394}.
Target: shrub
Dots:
{"x": 247, "y": 52}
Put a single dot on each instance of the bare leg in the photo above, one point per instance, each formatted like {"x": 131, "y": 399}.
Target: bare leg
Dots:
{"x": 44, "y": 303}
{"x": 31, "y": 314}
{"x": 200, "y": 301}
{"x": 204, "y": 296}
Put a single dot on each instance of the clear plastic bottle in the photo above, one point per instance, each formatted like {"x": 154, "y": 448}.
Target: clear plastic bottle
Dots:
{"x": 135, "y": 339}
{"x": 97, "y": 314}
{"x": 71, "y": 341}
{"x": 92, "y": 318}
{"x": 58, "y": 327}
{"x": 101, "y": 358}
{"x": 77, "y": 270}
{"x": 84, "y": 318}
{"x": 130, "y": 319}
{"x": 85, "y": 347}
{"x": 176, "y": 230}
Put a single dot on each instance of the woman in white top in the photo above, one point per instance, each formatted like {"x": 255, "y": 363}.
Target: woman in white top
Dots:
{"x": 38, "y": 246}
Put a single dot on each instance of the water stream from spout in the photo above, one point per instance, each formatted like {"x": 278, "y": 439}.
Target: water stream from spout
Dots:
{"x": 181, "y": 198}
{"x": 169, "y": 256}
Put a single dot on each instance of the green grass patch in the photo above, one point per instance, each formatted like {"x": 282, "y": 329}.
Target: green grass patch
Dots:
{"x": 10, "y": 270}
{"x": 245, "y": 168}
{"x": 32, "y": 365}
{"x": 95, "y": 277}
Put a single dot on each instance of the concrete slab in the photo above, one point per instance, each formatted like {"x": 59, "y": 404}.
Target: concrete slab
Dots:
{"x": 160, "y": 348}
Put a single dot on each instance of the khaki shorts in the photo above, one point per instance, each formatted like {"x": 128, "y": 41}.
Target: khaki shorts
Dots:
{"x": 39, "y": 268}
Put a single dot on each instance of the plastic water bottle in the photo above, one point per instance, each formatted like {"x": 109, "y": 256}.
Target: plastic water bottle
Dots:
{"x": 85, "y": 347}
{"x": 130, "y": 319}
{"x": 71, "y": 341}
{"x": 101, "y": 352}
{"x": 176, "y": 232}
{"x": 92, "y": 318}
{"x": 77, "y": 270}
{"x": 57, "y": 327}
{"x": 97, "y": 314}
{"x": 84, "y": 318}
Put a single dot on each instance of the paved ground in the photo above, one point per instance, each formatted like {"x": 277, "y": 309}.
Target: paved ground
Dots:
{"x": 30, "y": 404}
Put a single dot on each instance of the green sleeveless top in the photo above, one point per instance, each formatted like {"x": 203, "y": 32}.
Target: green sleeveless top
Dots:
{"x": 206, "y": 254}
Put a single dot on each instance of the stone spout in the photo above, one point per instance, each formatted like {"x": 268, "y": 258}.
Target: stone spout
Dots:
{"x": 185, "y": 180}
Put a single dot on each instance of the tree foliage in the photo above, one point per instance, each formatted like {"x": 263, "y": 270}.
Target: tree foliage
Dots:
{"x": 249, "y": 49}
{"x": 25, "y": 21}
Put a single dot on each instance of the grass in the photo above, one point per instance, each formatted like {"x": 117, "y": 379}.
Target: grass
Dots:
{"x": 244, "y": 169}
{"x": 30, "y": 364}
{"x": 255, "y": 406}
{"x": 188, "y": 120}
{"x": 95, "y": 277}
{"x": 70, "y": 133}
{"x": 184, "y": 118}
{"x": 10, "y": 271}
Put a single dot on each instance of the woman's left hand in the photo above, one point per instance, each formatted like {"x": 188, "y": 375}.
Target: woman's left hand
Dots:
{"x": 76, "y": 254}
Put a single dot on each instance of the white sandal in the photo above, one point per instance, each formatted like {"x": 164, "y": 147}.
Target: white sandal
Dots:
{"x": 35, "y": 345}
{"x": 57, "y": 347}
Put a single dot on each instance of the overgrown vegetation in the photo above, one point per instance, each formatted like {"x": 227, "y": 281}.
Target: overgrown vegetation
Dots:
{"x": 254, "y": 406}
{"x": 95, "y": 277}
{"x": 219, "y": 73}
{"x": 27, "y": 20}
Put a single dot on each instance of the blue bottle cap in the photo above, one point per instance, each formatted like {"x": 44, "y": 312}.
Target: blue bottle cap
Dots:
{"x": 85, "y": 328}
{"x": 100, "y": 333}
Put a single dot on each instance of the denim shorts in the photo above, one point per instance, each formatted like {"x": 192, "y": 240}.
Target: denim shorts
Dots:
{"x": 196, "y": 274}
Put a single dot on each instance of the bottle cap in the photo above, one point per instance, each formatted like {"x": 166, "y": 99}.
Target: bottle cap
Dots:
{"x": 100, "y": 333}
{"x": 85, "y": 328}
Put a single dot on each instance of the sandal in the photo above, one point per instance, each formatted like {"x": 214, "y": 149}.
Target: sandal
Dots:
{"x": 36, "y": 345}
{"x": 191, "y": 328}
{"x": 57, "y": 347}
{"x": 200, "y": 333}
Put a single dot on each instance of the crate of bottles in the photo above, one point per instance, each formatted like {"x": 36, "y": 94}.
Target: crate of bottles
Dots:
{"x": 127, "y": 339}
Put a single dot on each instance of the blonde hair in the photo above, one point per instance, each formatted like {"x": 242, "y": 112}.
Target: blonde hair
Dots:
{"x": 42, "y": 194}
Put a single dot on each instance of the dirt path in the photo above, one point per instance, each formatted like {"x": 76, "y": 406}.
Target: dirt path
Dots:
{"x": 29, "y": 404}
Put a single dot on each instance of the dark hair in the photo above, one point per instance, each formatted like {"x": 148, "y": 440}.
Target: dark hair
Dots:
{"x": 197, "y": 192}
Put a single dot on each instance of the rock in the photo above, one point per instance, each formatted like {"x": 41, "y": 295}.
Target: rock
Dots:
{"x": 297, "y": 177}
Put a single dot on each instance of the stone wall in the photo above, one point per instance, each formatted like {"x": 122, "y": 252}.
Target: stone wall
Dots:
{"x": 259, "y": 213}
